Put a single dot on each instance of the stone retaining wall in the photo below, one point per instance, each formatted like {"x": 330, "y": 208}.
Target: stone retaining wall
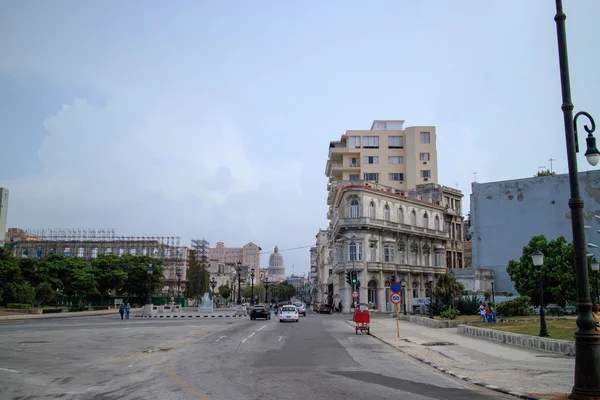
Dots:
{"x": 563, "y": 347}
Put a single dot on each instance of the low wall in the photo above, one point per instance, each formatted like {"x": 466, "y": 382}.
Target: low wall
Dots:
{"x": 65, "y": 314}
{"x": 434, "y": 323}
{"x": 563, "y": 347}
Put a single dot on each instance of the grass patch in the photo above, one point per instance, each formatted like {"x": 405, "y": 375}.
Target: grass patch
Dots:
{"x": 562, "y": 329}
{"x": 465, "y": 318}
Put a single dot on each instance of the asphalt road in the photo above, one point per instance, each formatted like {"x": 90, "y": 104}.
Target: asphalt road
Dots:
{"x": 100, "y": 358}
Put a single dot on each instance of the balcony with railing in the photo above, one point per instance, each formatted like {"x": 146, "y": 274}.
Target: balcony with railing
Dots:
{"x": 365, "y": 222}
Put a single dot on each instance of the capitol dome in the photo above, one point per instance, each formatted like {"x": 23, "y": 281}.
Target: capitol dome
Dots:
{"x": 276, "y": 269}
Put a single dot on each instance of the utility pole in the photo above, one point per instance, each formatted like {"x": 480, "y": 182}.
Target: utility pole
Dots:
{"x": 551, "y": 159}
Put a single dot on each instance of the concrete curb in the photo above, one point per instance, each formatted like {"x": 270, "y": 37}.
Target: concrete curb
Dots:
{"x": 62, "y": 314}
{"x": 456, "y": 375}
{"x": 189, "y": 316}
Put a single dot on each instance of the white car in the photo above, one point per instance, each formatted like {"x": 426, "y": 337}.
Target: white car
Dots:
{"x": 288, "y": 313}
{"x": 301, "y": 307}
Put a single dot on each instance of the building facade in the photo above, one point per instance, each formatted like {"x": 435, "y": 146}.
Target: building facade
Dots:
{"x": 505, "y": 215}
{"x": 249, "y": 255}
{"x": 3, "y": 212}
{"x": 388, "y": 153}
{"x": 386, "y": 237}
{"x": 89, "y": 244}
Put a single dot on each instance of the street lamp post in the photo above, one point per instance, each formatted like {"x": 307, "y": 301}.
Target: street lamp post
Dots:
{"x": 232, "y": 293}
{"x": 267, "y": 284}
{"x": 213, "y": 283}
{"x": 252, "y": 287}
{"x": 239, "y": 293}
{"x": 430, "y": 277}
{"x": 150, "y": 271}
{"x": 178, "y": 272}
{"x": 493, "y": 298}
{"x": 404, "y": 296}
{"x": 595, "y": 268}
{"x": 538, "y": 261}
{"x": 587, "y": 340}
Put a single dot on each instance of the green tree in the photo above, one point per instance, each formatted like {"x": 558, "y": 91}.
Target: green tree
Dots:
{"x": 259, "y": 291}
{"x": 447, "y": 289}
{"x": 44, "y": 294}
{"x": 545, "y": 173}
{"x": 284, "y": 291}
{"x": 198, "y": 276}
{"x": 109, "y": 274}
{"x": 9, "y": 271}
{"x": 224, "y": 291}
{"x": 19, "y": 292}
{"x": 558, "y": 275}
{"x": 136, "y": 267}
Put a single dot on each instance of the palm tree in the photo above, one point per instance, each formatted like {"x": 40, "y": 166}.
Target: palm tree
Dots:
{"x": 447, "y": 289}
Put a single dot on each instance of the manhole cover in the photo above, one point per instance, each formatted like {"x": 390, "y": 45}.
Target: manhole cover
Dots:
{"x": 437, "y": 344}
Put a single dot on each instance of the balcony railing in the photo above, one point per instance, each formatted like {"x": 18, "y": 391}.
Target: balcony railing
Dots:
{"x": 393, "y": 226}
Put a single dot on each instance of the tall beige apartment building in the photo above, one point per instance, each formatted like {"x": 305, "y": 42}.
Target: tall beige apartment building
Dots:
{"x": 388, "y": 154}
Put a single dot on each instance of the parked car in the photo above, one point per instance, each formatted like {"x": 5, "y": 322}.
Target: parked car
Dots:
{"x": 288, "y": 313}
{"x": 324, "y": 308}
{"x": 301, "y": 308}
{"x": 260, "y": 311}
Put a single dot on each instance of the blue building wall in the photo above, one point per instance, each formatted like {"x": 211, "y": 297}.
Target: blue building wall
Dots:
{"x": 505, "y": 215}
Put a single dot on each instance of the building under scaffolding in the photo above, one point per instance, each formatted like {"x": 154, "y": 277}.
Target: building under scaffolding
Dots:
{"x": 88, "y": 244}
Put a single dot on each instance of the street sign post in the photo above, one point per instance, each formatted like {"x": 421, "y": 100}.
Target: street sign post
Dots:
{"x": 396, "y": 287}
{"x": 396, "y": 298}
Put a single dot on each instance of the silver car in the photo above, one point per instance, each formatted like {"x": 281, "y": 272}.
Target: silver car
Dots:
{"x": 301, "y": 307}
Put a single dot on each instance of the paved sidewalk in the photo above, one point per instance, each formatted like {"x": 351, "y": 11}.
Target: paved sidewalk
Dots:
{"x": 508, "y": 367}
{"x": 64, "y": 314}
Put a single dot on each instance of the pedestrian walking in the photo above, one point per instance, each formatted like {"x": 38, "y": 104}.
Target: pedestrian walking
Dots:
{"x": 122, "y": 311}
{"x": 127, "y": 311}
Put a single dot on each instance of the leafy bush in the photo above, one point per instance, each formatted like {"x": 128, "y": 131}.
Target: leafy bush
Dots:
{"x": 22, "y": 293}
{"x": 521, "y": 306}
{"x": 18, "y": 306}
{"x": 44, "y": 294}
{"x": 468, "y": 305}
{"x": 450, "y": 313}
{"x": 51, "y": 310}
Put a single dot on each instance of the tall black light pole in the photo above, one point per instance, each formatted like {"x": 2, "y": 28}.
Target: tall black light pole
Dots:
{"x": 213, "y": 283}
{"x": 178, "y": 272}
{"x": 538, "y": 261}
{"x": 267, "y": 284}
{"x": 493, "y": 298}
{"x": 430, "y": 277}
{"x": 150, "y": 271}
{"x": 239, "y": 293}
{"x": 252, "y": 287}
{"x": 587, "y": 340}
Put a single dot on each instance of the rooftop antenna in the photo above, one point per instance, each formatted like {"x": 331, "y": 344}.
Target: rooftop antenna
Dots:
{"x": 475, "y": 176}
{"x": 551, "y": 159}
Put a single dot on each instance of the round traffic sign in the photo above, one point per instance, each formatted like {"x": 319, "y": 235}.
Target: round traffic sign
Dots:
{"x": 396, "y": 298}
{"x": 396, "y": 287}
{"x": 355, "y": 294}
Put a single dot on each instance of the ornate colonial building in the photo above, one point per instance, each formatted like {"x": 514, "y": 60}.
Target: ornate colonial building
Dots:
{"x": 388, "y": 236}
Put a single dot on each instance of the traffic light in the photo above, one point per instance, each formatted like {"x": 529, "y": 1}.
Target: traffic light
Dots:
{"x": 353, "y": 277}
{"x": 347, "y": 277}
{"x": 393, "y": 278}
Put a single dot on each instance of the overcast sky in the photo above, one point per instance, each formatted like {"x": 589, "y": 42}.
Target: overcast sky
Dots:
{"x": 213, "y": 119}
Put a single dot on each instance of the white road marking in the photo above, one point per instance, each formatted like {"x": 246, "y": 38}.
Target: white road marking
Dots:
{"x": 261, "y": 328}
{"x": 252, "y": 334}
{"x": 9, "y": 370}
{"x": 220, "y": 338}
{"x": 244, "y": 340}
{"x": 280, "y": 337}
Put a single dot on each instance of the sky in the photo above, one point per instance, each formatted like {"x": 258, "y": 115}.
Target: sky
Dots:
{"x": 210, "y": 119}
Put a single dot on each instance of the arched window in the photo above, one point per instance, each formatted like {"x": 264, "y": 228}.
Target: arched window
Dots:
{"x": 425, "y": 221}
{"x": 413, "y": 218}
{"x": 372, "y": 210}
{"x": 400, "y": 216}
{"x": 436, "y": 223}
{"x": 372, "y": 292}
{"x": 386, "y": 213}
{"x": 415, "y": 288}
{"x": 354, "y": 209}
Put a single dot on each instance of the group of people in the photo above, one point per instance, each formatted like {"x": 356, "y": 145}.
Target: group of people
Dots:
{"x": 125, "y": 309}
{"x": 487, "y": 310}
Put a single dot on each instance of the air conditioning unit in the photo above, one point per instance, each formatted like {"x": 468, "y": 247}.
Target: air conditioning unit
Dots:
{"x": 424, "y": 162}
{"x": 425, "y": 179}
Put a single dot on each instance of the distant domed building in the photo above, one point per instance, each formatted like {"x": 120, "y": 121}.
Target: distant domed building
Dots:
{"x": 276, "y": 270}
